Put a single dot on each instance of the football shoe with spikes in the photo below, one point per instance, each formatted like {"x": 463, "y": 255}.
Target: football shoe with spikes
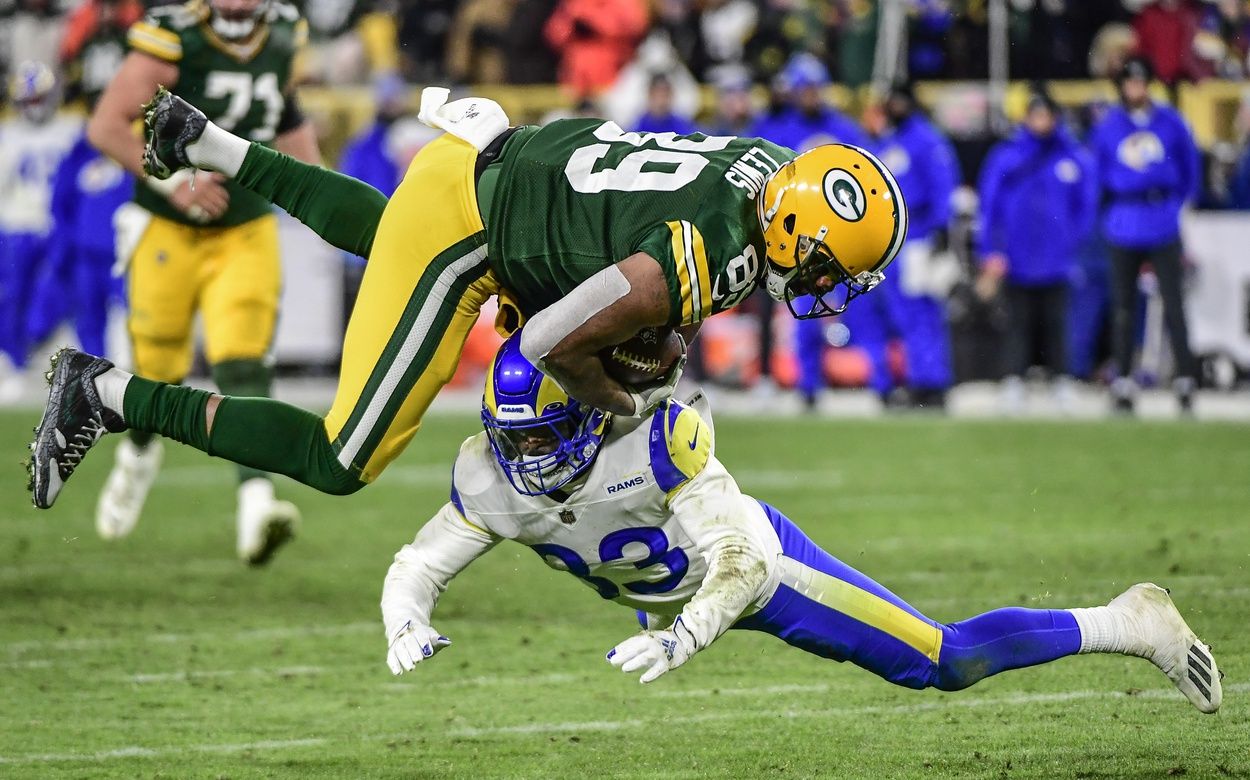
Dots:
{"x": 169, "y": 125}
{"x": 73, "y": 421}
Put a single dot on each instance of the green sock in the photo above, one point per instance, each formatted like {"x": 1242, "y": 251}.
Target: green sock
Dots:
{"x": 248, "y": 378}
{"x": 342, "y": 210}
{"x": 261, "y": 433}
{"x": 171, "y": 410}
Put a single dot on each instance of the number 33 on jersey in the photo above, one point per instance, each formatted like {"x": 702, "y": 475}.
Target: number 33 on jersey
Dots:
{"x": 572, "y": 191}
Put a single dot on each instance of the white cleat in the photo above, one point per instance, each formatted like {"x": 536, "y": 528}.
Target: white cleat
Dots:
{"x": 264, "y": 522}
{"x": 121, "y": 502}
{"x": 1162, "y": 636}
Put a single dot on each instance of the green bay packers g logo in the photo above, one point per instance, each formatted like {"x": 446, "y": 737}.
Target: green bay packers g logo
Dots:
{"x": 845, "y": 195}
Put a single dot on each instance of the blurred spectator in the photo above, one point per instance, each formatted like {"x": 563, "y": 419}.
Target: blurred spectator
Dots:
{"x": 423, "y": 35}
{"x": 349, "y": 40}
{"x": 594, "y": 39}
{"x": 629, "y": 97}
{"x": 32, "y": 145}
{"x": 1223, "y": 37}
{"x": 724, "y": 28}
{"x": 1165, "y": 36}
{"x": 855, "y": 30}
{"x": 910, "y": 304}
{"x": 530, "y": 61}
{"x": 95, "y": 43}
{"x": 735, "y": 111}
{"x": 803, "y": 119}
{"x": 969, "y": 43}
{"x": 1148, "y": 168}
{"x": 929, "y": 28}
{"x": 1112, "y": 45}
{"x": 1039, "y": 201}
{"x": 476, "y": 42}
{"x": 659, "y": 117}
{"x": 785, "y": 28}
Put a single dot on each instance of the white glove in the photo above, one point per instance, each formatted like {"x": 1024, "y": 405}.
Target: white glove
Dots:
{"x": 649, "y": 398}
{"x": 654, "y": 651}
{"x": 412, "y": 644}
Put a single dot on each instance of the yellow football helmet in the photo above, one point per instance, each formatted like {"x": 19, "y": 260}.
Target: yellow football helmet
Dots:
{"x": 833, "y": 219}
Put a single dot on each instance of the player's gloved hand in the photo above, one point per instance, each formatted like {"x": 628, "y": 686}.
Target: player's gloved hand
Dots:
{"x": 649, "y": 398}
{"x": 654, "y": 652}
{"x": 412, "y": 644}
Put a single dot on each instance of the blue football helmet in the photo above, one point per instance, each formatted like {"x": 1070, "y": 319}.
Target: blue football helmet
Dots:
{"x": 33, "y": 90}
{"x": 542, "y": 439}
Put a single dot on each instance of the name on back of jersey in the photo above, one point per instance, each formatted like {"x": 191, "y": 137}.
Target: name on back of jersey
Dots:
{"x": 751, "y": 170}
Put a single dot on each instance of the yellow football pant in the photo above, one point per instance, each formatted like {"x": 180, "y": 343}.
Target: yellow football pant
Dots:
{"x": 423, "y": 287}
{"x": 232, "y": 276}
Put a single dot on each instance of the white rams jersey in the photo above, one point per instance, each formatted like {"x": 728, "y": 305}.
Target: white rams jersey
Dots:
{"x": 29, "y": 156}
{"x": 631, "y": 529}
{"x": 654, "y": 514}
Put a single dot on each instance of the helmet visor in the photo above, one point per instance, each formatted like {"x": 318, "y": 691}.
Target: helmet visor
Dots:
{"x": 543, "y": 454}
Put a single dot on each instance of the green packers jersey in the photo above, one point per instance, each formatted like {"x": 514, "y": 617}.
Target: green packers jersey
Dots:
{"x": 239, "y": 86}
{"x": 577, "y": 195}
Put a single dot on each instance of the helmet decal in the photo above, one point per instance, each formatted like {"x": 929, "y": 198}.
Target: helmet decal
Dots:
{"x": 845, "y": 195}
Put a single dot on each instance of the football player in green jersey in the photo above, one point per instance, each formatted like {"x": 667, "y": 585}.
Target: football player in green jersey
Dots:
{"x": 211, "y": 247}
{"x": 585, "y": 231}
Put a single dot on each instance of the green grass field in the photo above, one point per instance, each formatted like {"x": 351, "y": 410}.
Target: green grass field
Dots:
{"x": 162, "y": 656}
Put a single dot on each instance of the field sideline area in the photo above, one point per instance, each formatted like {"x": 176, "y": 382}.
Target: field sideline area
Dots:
{"x": 161, "y": 656}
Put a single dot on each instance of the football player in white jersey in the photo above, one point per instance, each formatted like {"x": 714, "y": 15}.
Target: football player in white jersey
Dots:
{"x": 641, "y": 510}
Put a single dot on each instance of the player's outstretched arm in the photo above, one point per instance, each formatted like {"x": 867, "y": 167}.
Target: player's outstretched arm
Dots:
{"x": 711, "y": 510}
{"x": 420, "y": 573}
{"x": 608, "y": 308}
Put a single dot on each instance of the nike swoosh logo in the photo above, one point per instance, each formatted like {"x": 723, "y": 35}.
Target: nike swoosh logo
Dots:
{"x": 694, "y": 441}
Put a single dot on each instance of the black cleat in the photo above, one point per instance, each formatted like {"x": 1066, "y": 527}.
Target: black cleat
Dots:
{"x": 73, "y": 421}
{"x": 169, "y": 124}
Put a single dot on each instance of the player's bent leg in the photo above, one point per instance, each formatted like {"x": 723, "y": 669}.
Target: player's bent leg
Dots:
{"x": 421, "y": 294}
{"x": 344, "y": 211}
{"x": 422, "y": 290}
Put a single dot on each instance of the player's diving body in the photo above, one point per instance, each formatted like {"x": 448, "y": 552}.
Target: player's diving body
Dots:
{"x": 585, "y": 231}
{"x": 641, "y": 510}
{"x": 206, "y": 245}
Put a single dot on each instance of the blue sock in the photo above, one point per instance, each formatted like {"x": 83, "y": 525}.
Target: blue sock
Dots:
{"x": 1003, "y": 639}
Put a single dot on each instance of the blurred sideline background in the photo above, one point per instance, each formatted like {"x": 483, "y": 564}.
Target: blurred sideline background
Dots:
{"x": 783, "y": 69}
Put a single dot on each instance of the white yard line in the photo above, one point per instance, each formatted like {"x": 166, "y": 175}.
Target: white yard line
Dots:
{"x": 563, "y": 727}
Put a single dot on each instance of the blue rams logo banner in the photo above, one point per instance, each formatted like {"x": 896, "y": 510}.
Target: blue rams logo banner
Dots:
{"x": 844, "y": 194}
{"x": 1140, "y": 150}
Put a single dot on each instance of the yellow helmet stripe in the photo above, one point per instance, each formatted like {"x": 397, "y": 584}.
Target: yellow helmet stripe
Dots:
{"x": 683, "y": 273}
{"x": 900, "y": 224}
{"x": 699, "y": 253}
